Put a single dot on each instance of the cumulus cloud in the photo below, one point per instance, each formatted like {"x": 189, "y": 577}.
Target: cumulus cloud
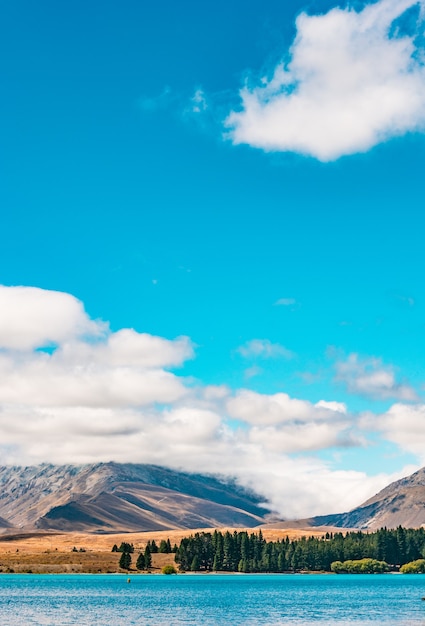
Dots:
{"x": 45, "y": 380}
{"x": 257, "y": 408}
{"x": 371, "y": 378}
{"x": 127, "y": 347}
{"x": 351, "y": 80}
{"x": 284, "y": 424}
{"x": 98, "y": 395}
{"x": 265, "y": 349}
{"x": 87, "y": 365}
{"x": 32, "y": 318}
{"x": 402, "y": 424}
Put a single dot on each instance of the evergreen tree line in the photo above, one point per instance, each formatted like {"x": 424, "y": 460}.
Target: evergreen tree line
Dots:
{"x": 164, "y": 547}
{"x": 124, "y": 547}
{"x": 243, "y": 552}
{"x": 144, "y": 558}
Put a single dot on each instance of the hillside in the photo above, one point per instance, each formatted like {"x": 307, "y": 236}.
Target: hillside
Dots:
{"x": 402, "y": 503}
{"x": 111, "y": 497}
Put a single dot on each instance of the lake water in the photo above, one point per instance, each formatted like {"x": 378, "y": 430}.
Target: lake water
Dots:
{"x": 296, "y": 600}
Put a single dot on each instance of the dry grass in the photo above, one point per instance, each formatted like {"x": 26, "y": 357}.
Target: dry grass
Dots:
{"x": 53, "y": 553}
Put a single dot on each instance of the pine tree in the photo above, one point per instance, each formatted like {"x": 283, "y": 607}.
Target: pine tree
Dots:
{"x": 126, "y": 547}
{"x": 125, "y": 560}
{"x": 217, "y": 563}
{"x": 401, "y": 543}
{"x": 244, "y": 546}
{"x": 140, "y": 563}
{"x": 195, "y": 564}
{"x": 148, "y": 557}
{"x": 281, "y": 562}
{"x": 163, "y": 547}
{"x": 228, "y": 563}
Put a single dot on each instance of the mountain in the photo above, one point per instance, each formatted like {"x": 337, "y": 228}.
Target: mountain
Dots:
{"x": 112, "y": 497}
{"x": 402, "y": 503}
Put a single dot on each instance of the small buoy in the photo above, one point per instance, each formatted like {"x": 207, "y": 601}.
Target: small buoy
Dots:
{"x": 423, "y": 598}
{"x": 129, "y": 581}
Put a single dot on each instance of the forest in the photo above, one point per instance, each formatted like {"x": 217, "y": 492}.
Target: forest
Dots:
{"x": 383, "y": 550}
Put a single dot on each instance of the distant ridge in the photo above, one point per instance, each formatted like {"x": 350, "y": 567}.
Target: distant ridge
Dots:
{"x": 402, "y": 503}
{"x": 113, "y": 497}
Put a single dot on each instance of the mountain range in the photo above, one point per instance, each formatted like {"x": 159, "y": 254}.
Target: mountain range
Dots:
{"x": 112, "y": 497}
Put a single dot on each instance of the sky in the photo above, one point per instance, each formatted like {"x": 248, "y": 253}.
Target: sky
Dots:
{"x": 212, "y": 219}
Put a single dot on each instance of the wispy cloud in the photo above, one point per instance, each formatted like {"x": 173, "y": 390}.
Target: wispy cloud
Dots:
{"x": 253, "y": 371}
{"x": 285, "y": 302}
{"x": 370, "y": 377}
{"x": 199, "y": 102}
{"x": 264, "y": 349}
{"x": 350, "y": 80}
{"x": 403, "y": 299}
{"x": 160, "y": 102}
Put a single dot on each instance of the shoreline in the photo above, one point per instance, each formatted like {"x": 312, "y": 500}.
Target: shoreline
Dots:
{"x": 53, "y": 552}
{"x": 133, "y": 574}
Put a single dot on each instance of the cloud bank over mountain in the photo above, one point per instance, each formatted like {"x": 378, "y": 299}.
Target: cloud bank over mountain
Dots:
{"x": 73, "y": 391}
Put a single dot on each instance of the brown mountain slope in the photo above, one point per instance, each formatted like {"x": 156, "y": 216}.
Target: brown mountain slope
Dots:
{"x": 402, "y": 503}
{"x": 111, "y": 497}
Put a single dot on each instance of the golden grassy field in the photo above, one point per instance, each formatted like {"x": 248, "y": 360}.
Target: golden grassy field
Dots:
{"x": 53, "y": 552}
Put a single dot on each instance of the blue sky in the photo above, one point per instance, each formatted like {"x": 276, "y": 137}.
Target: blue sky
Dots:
{"x": 246, "y": 176}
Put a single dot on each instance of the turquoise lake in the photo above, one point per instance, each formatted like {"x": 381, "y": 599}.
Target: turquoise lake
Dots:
{"x": 302, "y": 600}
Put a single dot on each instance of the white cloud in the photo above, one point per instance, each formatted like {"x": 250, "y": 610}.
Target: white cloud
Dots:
{"x": 90, "y": 366}
{"x": 263, "y": 348}
{"x": 339, "y": 407}
{"x": 215, "y": 392}
{"x": 32, "y": 318}
{"x": 256, "y": 408}
{"x": 302, "y": 437}
{"x": 292, "y": 425}
{"x": 351, "y": 80}
{"x": 127, "y": 347}
{"x": 371, "y": 378}
{"x": 44, "y": 380}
